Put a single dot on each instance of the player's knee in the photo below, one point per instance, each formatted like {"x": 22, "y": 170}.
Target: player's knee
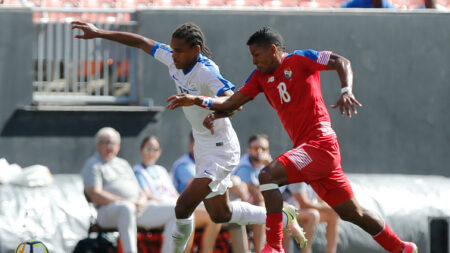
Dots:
{"x": 265, "y": 177}
{"x": 220, "y": 216}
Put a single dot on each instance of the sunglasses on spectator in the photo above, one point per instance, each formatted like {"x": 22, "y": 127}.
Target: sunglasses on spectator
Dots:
{"x": 107, "y": 143}
{"x": 148, "y": 149}
{"x": 257, "y": 148}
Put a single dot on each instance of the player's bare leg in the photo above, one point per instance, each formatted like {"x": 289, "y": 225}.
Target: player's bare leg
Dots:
{"x": 351, "y": 211}
{"x": 273, "y": 175}
{"x": 189, "y": 199}
{"x": 219, "y": 207}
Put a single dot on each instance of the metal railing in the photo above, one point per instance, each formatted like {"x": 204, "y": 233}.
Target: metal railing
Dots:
{"x": 74, "y": 71}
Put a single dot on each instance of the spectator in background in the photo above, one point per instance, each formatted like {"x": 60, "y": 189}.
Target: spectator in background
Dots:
{"x": 183, "y": 169}
{"x": 257, "y": 156}
{"x": 367, "y": 4}
{"x": 162, "y": 195}
{"x": 109, "y": 183}
{"x": 313, "y": 210}
{"x": 431, "y": 4}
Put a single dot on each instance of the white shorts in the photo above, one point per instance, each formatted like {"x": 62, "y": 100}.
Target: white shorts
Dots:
{"x": 216, "y": 161}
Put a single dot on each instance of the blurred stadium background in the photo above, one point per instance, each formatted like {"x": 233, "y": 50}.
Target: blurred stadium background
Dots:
{"x": 56, "y": 92}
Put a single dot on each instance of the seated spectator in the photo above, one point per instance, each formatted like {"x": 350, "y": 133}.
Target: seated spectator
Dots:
{"x": 431, "y": 4}
{"x": 367, "y": 4}
{"x": 313, "y": 210}
{"x": 183, "y": 169}
{"x": 251, "y": 164}
{"x": 110, "y": 183}
{"x": 162, "y": 196}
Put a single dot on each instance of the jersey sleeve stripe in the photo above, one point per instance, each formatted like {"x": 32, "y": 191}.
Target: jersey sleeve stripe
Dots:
{"x": 324, "y": 57}
{"x": 159, "y": 45}
{"x": 227, "y": 84}
{"x": 156, "y": 46}
{"x": 248, "y": 79}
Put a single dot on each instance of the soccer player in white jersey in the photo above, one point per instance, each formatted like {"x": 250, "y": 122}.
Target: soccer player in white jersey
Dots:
{"x": 217, "y": 151}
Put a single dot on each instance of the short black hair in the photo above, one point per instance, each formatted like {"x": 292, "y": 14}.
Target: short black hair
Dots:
{"x": 192, "y": 34}
{"x": 267, "y": 36}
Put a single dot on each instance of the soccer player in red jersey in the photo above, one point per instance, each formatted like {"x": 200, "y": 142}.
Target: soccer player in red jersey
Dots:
{"x": 291, "y": 84}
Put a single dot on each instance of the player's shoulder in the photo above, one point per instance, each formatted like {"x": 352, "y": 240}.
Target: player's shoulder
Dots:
{"x": 255, "y": 74}
{"x": 207, "y": 66}
{"x": 306, "y": 53}
{"x": 161, "y": 46}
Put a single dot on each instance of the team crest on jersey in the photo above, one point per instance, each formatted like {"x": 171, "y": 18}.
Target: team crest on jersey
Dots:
{"x": 288, "y": 73}
{"x": 166, "y": 47}
{"x": 271, "y": 79}
{"x": 192, "y": 86}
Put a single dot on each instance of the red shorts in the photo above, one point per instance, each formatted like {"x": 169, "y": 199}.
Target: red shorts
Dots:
{"x": 318, "y": 163}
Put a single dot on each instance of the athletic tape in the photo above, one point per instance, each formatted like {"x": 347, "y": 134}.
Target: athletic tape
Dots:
{"x": 266, "y": 187}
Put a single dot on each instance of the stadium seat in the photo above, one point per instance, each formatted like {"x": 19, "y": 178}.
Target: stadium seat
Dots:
{"x": 170, "y": 3}
{"x": 328, "y": 3}
{"x": 243, "y": 3}
{"x": 280, "y": 3}
{"x": 308, "y": 4}
{"x": 207, "y": 3}
{"x": 143, "y": 3}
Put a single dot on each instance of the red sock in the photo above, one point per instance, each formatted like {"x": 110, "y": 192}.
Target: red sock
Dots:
{"x": 389, "y": 240}
{"x": 274, "y": 230}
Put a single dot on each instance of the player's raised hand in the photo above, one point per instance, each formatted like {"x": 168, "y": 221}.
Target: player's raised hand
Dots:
{"x": 180, "y": 100}
{"x": 346, "y": 104}
{"x": 89, "y": 30}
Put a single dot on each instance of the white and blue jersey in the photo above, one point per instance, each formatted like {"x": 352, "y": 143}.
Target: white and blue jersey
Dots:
{"x": 203, "y": 79}
{"x": 155, "y": 179}
{"x": 215, "y": 155}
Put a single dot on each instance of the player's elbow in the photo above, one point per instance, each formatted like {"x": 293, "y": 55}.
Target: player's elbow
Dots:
{"x": 344, "y": 63}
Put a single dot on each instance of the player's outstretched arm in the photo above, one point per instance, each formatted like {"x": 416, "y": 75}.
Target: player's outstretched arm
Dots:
{"x": 224, "y": 104}
{"x": 129, "y": 39}
{"x": 347, "y": 101}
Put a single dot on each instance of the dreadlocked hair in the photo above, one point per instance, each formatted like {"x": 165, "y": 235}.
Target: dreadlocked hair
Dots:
{"x": 192, "y": 34}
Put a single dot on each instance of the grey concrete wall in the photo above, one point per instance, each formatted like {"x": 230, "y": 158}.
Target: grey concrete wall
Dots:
{"x": 16, "y": 44}
{"x": 33, "y": 137}
{"x": 401, "y": 68}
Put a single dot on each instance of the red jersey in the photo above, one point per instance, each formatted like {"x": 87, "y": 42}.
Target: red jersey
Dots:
{"x": 293, "y": 90}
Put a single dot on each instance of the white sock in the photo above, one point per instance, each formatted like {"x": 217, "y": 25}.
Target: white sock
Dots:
{"x": 181, "y": 233}
{"x": 244, "y": 213}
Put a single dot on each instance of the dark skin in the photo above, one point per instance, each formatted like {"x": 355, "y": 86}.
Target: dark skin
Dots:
{"x": 377, "y": 3}
{"x": 185, "y": 57}
{"x": 267, "y": 59}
